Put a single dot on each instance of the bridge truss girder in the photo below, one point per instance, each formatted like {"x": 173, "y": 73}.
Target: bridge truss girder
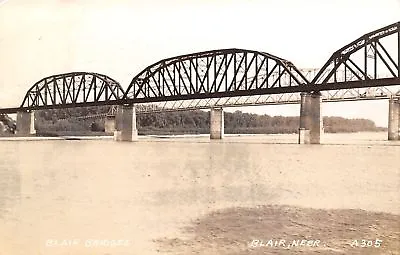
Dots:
{"x": 218, "y": 73}
{"x": 342, "y": 95}
{"x": 375, "y": 93}
{"x": 370, "y": 60}
{"x": 72, "y": 89}
{"x": 228, "y": 76}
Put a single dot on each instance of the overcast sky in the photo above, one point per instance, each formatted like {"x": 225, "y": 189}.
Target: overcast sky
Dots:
{"x": 119, "y": 38}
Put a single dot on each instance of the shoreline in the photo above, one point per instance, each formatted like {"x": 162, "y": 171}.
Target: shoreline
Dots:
{"x": 46, "y": 138}
{"x": 166, "y": 136}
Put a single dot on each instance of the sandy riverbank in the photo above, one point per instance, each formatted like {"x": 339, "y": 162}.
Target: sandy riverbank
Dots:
{"x": 277, "y": 229}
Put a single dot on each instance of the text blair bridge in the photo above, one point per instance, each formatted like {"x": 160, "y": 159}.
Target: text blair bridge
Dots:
{"x": 367, "y": 68}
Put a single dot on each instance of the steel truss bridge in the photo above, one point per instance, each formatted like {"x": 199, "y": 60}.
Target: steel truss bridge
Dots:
{"x": 374, "y": 93}
{"x": 367, "y": 68}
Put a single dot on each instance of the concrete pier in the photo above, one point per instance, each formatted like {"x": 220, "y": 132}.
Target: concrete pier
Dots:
{"x": 125, "y": 124}
{"x": 311, "y": 123}
{"x": 25, "y": 123}
{"x": 216, "y": 123}
{"x": 118, "y": 123}
{"x": 394, "y": 122}
{"x": 109, "y": 124}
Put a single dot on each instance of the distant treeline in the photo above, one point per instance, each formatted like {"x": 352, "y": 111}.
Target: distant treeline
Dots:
{"x": 190, "y": 122}
{"x": 7, "y": 125}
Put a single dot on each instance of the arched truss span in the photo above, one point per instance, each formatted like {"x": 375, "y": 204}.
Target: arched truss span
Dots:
{"x": 371, "y": 60}
{"x": 218, "y": 73}
{"x": 72, "y": 89}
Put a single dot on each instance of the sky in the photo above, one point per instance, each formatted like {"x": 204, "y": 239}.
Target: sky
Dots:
{"x": 120, "y": 38}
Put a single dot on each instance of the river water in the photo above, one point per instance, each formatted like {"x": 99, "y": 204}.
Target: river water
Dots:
{"x": 59, "y": 197}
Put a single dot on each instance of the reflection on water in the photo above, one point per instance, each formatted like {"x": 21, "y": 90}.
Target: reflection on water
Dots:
{"x": 149, "y": 189}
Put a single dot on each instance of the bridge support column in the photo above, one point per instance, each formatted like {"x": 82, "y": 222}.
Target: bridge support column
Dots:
{"x": 125, "y": 123}
{"x": 394, "y": 122}
{"x": 118, "y": 123}
{"x": 25, "y": 123}
{"x": 311, "y": 124}
{"x": 109, "y": 124}
{"x": 216, "y": 123}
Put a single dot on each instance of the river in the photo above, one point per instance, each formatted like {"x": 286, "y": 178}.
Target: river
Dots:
{"x": 68, "y": 196}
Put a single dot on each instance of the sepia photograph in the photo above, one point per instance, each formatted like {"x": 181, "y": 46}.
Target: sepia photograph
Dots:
{"x": 209, "y": 127}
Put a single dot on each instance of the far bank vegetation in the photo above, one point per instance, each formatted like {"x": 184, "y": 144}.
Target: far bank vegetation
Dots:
{"x": 189, "y": 122}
